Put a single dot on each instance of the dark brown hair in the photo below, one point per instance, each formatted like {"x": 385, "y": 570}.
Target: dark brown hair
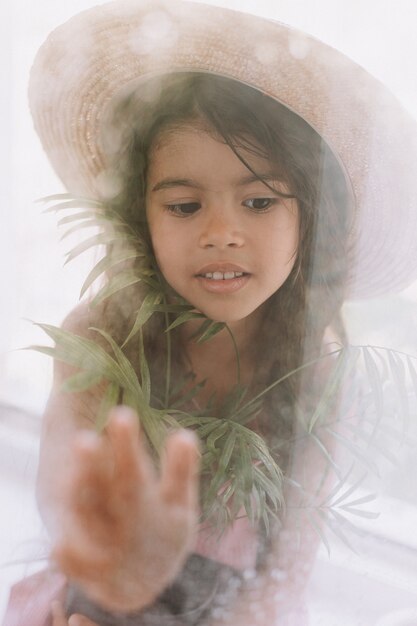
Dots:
{"x": 246, "y": 119}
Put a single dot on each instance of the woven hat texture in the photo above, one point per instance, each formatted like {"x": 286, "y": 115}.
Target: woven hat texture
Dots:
{"x": 88, "y": 61}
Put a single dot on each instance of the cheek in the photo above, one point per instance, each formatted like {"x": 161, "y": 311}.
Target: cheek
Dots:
{"x": 167, "y": 249}
{"x": 281, "y": 241}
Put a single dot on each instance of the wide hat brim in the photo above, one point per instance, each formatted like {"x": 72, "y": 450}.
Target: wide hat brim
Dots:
{"x": 91, "y": 59}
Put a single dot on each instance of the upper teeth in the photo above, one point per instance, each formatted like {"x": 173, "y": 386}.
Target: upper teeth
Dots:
{"x": 222, "y": 275}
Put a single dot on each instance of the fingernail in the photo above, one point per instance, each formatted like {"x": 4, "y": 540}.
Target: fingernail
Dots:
{"x": 189, "y": 436}
{"x": 123, "y": 413}
{"x": 86, "y": 440}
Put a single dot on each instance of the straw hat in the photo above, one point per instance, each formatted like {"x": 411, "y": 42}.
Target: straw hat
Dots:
{"x": 90, "y": 59}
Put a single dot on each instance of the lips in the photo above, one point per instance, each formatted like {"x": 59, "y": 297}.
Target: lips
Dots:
{"x": 222, "y": 275}
{"x": 221, "y": 271}
{"x": 222, "y": 278}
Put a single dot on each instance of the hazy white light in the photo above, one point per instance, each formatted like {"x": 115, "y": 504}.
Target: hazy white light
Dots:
{"x": 157, "y": 33}
{"x": 266, "y": 53}
{"x": 299, "y": 46}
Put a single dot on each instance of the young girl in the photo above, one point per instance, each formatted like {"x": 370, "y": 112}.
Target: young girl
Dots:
{"x": 233, "y": 185}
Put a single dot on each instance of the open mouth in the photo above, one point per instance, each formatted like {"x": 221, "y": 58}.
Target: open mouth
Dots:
{"x": 222, "y": 275}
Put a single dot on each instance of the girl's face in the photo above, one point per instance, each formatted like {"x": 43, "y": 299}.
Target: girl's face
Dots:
{"x": 223, "y": 240}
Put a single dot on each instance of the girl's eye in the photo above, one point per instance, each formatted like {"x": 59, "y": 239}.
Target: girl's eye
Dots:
{"x": 183, "y": 209}
{"x": 260, "y": 204}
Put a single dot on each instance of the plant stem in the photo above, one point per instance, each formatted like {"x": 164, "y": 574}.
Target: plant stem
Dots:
{"x": 168, "y": 370}
{"x": 280, "y": 380}
{"x": 238, "y": 371}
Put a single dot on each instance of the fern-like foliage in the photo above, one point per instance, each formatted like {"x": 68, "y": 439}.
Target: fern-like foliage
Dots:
{"x": 239, "y": 469}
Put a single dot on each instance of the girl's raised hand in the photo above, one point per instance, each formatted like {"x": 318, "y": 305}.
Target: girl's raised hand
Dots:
{"x": 126, "y": 531}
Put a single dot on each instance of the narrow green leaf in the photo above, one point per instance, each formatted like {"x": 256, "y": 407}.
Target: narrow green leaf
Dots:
{"x": 108, "y": 401}
{"x": 383, "y": 369}
{"x": 376, "y": 387}
{"x": 120, "y": 281}
{"x": 336, "y": 530}
{"x": 264, "y": 485}
{"x": 146, "y": 310}
{"x": 43, "y": 350}
{"x": 370, "y": 497}
{"x": 81, "y": 381}
{"x": 247, "y": 413}
{"x": 83, "y": 353}
{"x": 280, "y": 380}
{"x": 95, "y": 240}
{"x": 398, "y": 373}
{"x": 72, "y": 204}
{"x": 385, "y": 428}
{"x": 319, "y": 532}
{"x": 184, "y": 317}
{"x": 260, "y": 451}
{"x": 246, "y": 466}
{"x": 144, "y": 370}
{"x": 77, "y": 228}
{"x": 354, "y": 449}
{"x": 130, "y": 378}
{"x": 339, "y": 486}
{"x": 175, "y": 308}
{"x": 213, "y": 329}
{"x": 233, "y": 400}
{"x": 216, "y": 435}
{"x": 54, "y": 197}
{"x": 189, "y": 421}
{"x": 413, "y": 374}
{"x": 215, "y": 484}
{"x": 227, "y": 451}
{"x": 358, "y": 434}
{"x": 326, "y": 455}
{"x": 77, "y": 217}
{"x": 185, "y": 399}
{"x": 347, "y": 356}
{"x": 106, "y": 263}
{"x": 227, "y": 493}
{"x": 361, "y": 513}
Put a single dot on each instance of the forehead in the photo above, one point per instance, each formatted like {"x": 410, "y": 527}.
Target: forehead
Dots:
{"x": 196, "y": 149}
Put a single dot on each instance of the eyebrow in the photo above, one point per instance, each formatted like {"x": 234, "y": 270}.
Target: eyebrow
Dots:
{"x": 170, "y": 183}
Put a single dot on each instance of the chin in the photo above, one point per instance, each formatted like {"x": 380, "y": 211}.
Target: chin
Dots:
{"x": 228, "y": 317}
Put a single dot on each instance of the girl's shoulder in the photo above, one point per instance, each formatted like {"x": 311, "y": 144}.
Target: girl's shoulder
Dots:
{"x": 112, "y": 316}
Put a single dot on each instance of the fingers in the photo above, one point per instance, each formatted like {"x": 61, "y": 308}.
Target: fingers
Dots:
{"x": 80, "y": 620}
{"x": 108, "y": 470}
{"x": 179, "y": 470}
{"x": 58, "y": 615}
{"x": 59, "y": 619}
{"x": 132, "y": 464}
{"x": 90, "y": 486}
{"x": 82, "y": 559}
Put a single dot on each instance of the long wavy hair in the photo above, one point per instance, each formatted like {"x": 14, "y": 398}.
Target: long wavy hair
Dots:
{"x": 247, "y": 120}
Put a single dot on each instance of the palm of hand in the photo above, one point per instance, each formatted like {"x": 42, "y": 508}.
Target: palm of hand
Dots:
{"x": 126, "y": 531}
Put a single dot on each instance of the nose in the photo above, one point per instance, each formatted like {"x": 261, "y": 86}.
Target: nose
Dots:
{"x": 221, "y": 231}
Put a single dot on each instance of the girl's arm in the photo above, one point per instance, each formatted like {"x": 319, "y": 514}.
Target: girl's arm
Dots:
{"x": 120, "y": 531}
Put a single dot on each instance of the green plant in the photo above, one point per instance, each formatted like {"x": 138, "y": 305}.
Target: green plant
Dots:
{"x": 239, "y": 469}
